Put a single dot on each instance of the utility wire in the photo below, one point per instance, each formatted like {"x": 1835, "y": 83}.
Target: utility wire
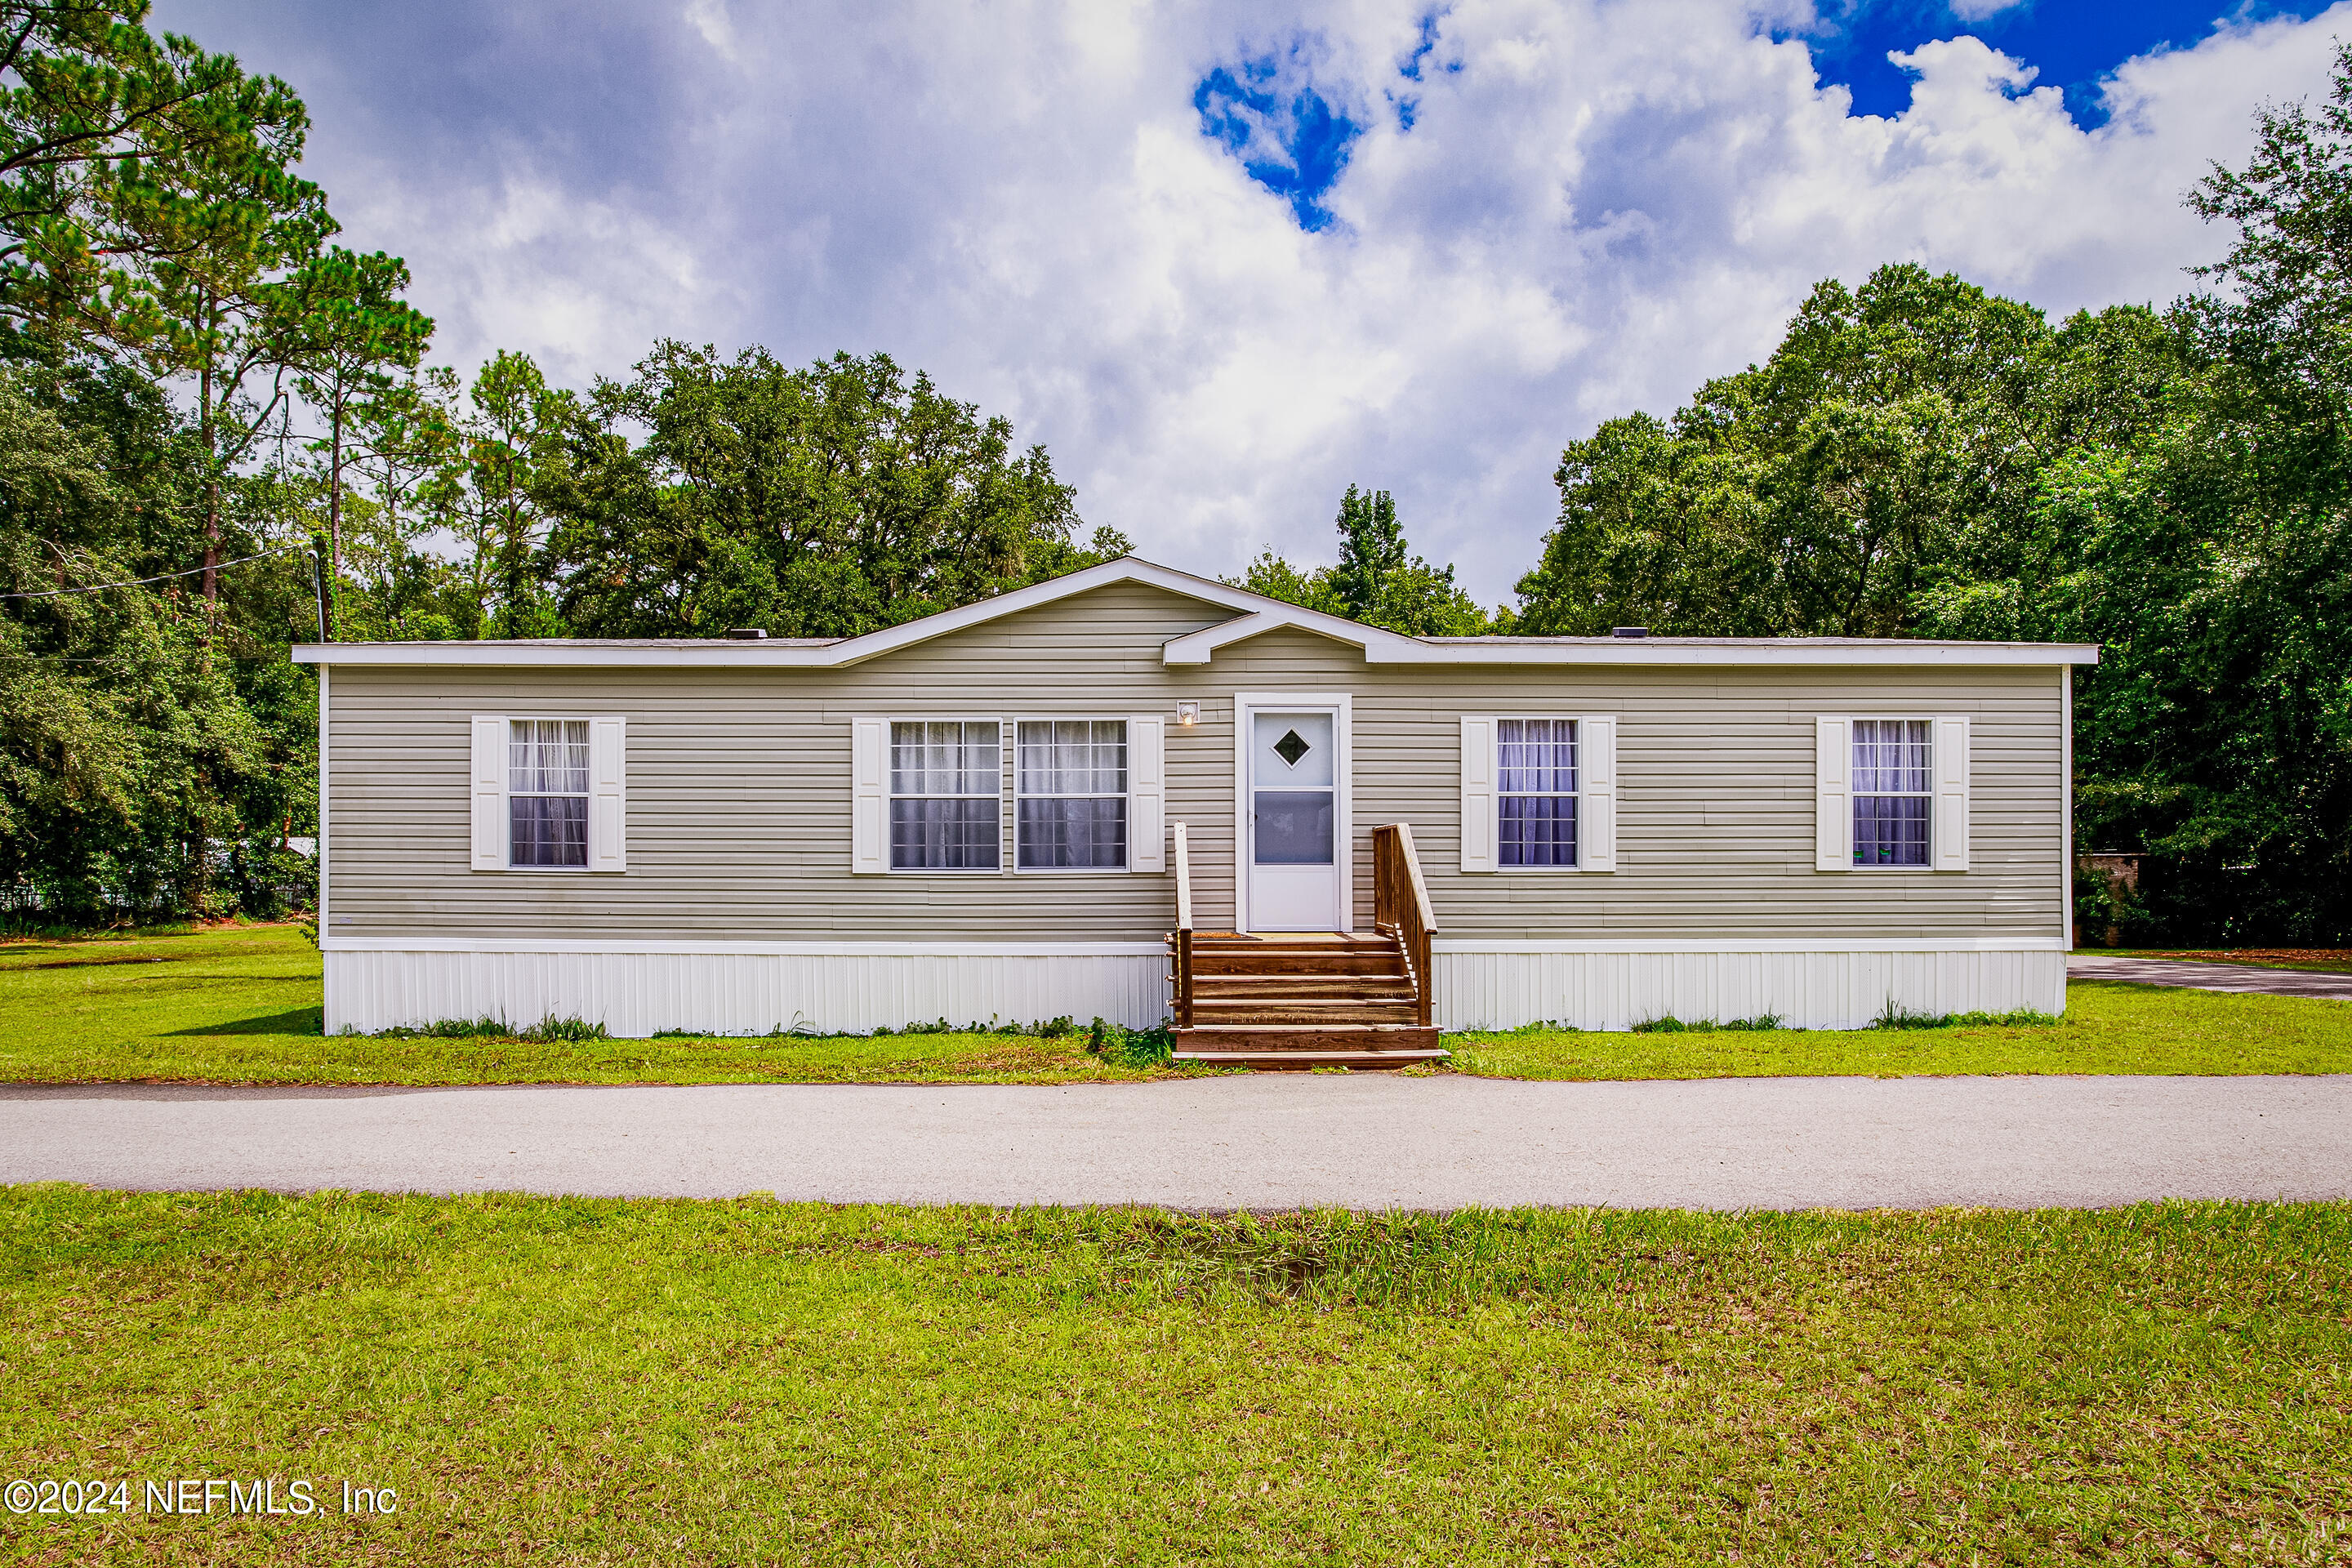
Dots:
{"x": 142, "y": 581}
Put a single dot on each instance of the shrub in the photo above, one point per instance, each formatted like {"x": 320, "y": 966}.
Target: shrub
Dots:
{"x": 1123, "y": 1046}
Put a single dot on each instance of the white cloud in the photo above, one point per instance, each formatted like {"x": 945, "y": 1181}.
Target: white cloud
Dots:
{"x": 1977, "y": 10}
{"x": 1602, "y": 205}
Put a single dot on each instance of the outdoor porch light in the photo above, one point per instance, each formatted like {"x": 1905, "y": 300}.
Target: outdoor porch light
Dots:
{"x": 1188, "y": 712}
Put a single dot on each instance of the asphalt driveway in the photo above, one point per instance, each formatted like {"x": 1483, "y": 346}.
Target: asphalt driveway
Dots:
{"x": 1264, "y": 1141}
{"x": 2198, "y": 976}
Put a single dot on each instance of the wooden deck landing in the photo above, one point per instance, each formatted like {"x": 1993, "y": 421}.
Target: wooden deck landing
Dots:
{"x": 1302, "y": 1000}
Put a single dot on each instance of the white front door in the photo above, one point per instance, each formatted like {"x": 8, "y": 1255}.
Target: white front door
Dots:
{"x": 1293, "y": 847}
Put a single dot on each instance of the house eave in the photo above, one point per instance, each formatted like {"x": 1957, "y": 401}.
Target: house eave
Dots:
{"x": 1255, "y": 615}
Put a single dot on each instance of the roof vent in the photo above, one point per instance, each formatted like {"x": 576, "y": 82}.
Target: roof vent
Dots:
{"x": 748, "y": 633}
{"x": 1629, "y": 631}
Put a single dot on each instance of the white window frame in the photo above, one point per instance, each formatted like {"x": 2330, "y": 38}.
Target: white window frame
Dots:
{"x": 1016, "y": 795}
{"x": 1003, "y": 741}
{"x": 1575, "y": 739}
{"x": 493, "y": 797}
{"x": 1596, "y": 740}
{"x": 1948, "y": 791}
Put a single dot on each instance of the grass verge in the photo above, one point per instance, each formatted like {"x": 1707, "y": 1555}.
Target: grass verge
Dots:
{"x": 2108, "y": 1028}
{"x": 571, "y": 1381}
{"x": 240, "y": 1004}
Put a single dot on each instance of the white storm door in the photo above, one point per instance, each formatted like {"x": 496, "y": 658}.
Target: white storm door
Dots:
{"x": 1294, "y": 821}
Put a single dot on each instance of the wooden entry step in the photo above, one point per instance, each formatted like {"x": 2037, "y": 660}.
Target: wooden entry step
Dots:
{"x": 1307, "y": 1061}
{"x": 1309, "y": 999}
{"x": 1260, "y": 1039}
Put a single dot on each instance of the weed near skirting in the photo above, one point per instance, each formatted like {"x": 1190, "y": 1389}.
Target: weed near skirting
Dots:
{"x": 1126, "y": 1047}
{"x": 1895, "y": 1015}
{"x": 547, "y": 1030}
{"x": 1670, "y": 1025}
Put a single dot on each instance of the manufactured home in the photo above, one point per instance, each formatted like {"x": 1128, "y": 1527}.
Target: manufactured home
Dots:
{"x": 1138, "y": 794}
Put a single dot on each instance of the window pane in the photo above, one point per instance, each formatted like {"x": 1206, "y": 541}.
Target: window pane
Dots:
{"x": 1539, "y": 830}
{"x": 1073, "y": 756}
{"x": 1890, "y": 830}
{"x": 944, "y": 757}
{"x": 547, "y": 756}
{"x": 547, "y": 830}
{"x": 943, "y": 835}
{"x": 1538, "y": 755}
{"x": 1891, "y": 756}
{"x": 1294, "y": 827}
{"x": 1073, "y": 833}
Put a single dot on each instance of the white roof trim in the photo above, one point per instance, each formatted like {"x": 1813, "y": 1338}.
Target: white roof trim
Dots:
{"x": 1900, "y": 651}
{"x": 1255, "y": 615}
{"x": 1379, "y": 645}
{"x": 719, "y": 652}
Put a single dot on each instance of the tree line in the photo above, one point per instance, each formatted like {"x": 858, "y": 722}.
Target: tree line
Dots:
{"x": 220, "y": 434}
{"x": 1921, "y": 458}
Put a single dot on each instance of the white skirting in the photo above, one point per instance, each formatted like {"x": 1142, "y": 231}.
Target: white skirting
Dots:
{"x": 750, "y": 988}
{"x": 635, "y": 994}
{"x": 1481, "y": 988}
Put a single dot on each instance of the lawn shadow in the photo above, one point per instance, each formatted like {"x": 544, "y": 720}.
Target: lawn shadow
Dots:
{"x": 300, "y": 1021}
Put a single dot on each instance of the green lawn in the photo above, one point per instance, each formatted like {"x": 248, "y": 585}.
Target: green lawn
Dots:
{"x": 2108, "y": 1028}
{"x": 577, "y": 1381}
{"x": 240, "y": 1004}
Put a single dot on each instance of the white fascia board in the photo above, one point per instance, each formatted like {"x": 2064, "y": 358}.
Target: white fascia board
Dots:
{"x": 721, "y": 653}
{"x": 714, "y": 655}
{"x": 1894, "y": 651}
{"x": 1390, "y": 648}
{"x": 1757, "y": 944}
{"x": 1379, "y": 645}
{"x": 1255, "y": 616}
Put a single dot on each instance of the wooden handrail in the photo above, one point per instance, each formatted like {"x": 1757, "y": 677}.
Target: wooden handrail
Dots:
{"x": 1180, "y": 941}
{"x": 1183, "y": 881}
{"x": 1400, "y": 904}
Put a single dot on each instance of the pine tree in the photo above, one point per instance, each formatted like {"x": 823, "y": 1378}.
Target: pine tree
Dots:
{"x": 1371, "y": 553}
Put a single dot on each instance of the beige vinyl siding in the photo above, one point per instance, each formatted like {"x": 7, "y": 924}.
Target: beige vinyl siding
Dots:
{"x": 740, "y": 793}
{"x": 1714, "y": 792}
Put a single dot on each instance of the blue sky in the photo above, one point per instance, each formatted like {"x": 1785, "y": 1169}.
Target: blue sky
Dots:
{"x": 1290, "y": 135}
{"x": 2074, "y": 45}
{"x": 1227, "y": 258}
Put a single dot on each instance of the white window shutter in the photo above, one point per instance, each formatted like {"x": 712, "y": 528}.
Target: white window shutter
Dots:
{"x": 1147, "y": 792}
{"x": 1596, "y": 783}
{"x": 1833, "y": 795}
{"x": 608, "y": 799}
{"x": 1951, "y": 808}
{"x": 490, "y": 790}
{"x": 869, "y": 788}
{"x": 1478, "y": 846}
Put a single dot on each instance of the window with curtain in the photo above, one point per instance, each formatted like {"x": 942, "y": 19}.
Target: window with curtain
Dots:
{"x": 1535, "y": 778}
{"x": 1893, "y": 772}
{"x": 1071, "y": 785}
{"x": 946, "y": 789}
{"x": 547, "y": 792}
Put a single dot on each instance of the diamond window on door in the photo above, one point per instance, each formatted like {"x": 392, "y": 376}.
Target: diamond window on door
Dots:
{"x": 1290, "y": 748}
